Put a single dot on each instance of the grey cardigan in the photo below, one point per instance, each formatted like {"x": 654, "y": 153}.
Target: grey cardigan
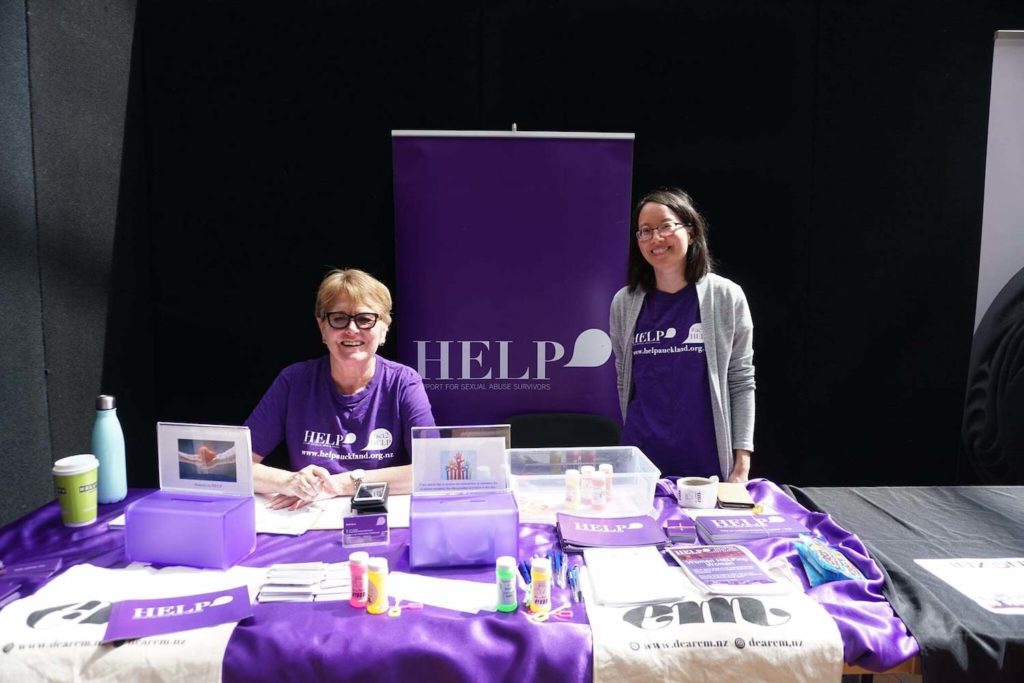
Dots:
{"x": 728, "y": 346}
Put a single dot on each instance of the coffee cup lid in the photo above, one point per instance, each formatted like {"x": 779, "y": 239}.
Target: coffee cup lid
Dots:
{"x": 75, "y": 464}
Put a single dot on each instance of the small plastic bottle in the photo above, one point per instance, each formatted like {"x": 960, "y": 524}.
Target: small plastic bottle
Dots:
{"x": 505, "y": 572}
{"x": 572, "y": 489}
{"x": 607, "y": 469}
{"x": 357, "y": 567}
{"x": 108, "y": 447}
{"x": 377, "y": 585}
{"x": 586, "y": 484}
{"x": 540, "y": 584}
{"x": 599, "y": 490}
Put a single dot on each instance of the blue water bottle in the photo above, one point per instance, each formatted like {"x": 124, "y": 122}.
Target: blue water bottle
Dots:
{"x": 108, "y": 447}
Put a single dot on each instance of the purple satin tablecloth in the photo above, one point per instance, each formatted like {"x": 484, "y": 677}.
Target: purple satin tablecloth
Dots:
{"x": 316, "y": 641}
{"x": 874, "y": 638}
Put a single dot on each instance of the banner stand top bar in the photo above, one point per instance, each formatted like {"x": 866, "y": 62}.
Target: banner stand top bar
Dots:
{"x": 506, "y": 134}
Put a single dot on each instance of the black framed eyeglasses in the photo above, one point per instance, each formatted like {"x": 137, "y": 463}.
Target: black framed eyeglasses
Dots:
{"x": 663, "y": 230}
{"x": 339, "y": 320}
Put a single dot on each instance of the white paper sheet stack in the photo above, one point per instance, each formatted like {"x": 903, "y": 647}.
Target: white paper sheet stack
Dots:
{"x": 307, "y": 582}
{"x": 632, "y": 576}
{"x": 455, "y": 594}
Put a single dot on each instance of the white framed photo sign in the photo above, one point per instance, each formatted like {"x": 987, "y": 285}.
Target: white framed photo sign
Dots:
{"x": 205, "y": 459}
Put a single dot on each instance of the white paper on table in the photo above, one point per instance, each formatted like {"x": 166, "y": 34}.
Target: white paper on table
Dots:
{"x": 995, "y": 583}
{"x": 285, "y": 522}
{"x": 454, "y": 594}
{"x": 633, "y": 576}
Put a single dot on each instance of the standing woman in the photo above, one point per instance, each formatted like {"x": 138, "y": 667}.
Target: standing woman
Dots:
{"x": 347, "y": 416}
{"x": 683, "y": 343}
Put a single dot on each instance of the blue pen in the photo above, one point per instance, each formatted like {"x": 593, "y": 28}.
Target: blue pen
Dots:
{"x": 563, "y": 569}
{"x": 574, "y": 583}
{"x": 553, "y": 558}
{"x": 524, "y": 571}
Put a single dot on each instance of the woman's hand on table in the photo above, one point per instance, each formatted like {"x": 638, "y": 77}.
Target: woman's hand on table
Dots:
{"x": 286, "y": 502}
{"x": 307, "y": 484}
{"x": 343, "y": 484}
{"x": 741, "y": 467}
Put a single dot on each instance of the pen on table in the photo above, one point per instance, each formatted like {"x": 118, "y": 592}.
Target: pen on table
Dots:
{"x": 556, "y": 567}
{"x": 574, "y": 584}
{"x": 563, "y": 569}
{"x": 553, "y": 558}
{"x": 524, "y": 573}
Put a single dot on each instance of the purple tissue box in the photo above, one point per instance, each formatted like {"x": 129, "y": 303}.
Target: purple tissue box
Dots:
{"x": 191, "y": 530}
{"x": 452, "y": 531}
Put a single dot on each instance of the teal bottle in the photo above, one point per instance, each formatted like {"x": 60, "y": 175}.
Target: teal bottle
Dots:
{"x": 108, "y": 447}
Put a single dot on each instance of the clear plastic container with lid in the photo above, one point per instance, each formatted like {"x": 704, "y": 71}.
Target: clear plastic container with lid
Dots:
{"x": 538, "y": 477}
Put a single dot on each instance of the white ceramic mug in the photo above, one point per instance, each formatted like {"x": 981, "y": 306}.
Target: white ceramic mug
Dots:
{"x": 697, "y": 492}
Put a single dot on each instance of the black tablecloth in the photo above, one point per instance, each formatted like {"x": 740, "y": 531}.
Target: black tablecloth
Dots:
{"x": 960, "y": 640}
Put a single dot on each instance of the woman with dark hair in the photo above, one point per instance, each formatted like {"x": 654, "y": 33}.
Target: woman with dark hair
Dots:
{"x": 683, "y": 343}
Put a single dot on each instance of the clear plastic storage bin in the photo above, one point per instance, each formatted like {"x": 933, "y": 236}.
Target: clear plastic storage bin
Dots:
{"x": 538, "y": 481}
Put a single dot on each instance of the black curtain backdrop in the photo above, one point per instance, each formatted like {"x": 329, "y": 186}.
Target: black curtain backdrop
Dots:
{"x": 837, "y": 148}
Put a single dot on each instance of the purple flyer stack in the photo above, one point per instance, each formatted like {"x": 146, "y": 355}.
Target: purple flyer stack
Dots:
{"x": 720, "y": 529}
{"x": 598, "y": 532}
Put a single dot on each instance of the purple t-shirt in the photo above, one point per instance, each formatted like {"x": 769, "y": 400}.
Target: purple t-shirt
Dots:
{"x": 320, "y": 426}
{"x": 669, "y": 415}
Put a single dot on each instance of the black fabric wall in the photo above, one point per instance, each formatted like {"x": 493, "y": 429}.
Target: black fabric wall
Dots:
{"x": 837, "y": 147}
{"x": 23, "y": 405}
{"x": 63, "y": 82}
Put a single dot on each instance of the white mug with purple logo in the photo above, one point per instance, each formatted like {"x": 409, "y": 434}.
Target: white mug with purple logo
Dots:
{"x": 697, "y": 492}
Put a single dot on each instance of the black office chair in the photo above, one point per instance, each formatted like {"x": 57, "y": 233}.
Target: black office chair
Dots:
{"x": 993, "y": 427}
{"x": 572, "y": 430}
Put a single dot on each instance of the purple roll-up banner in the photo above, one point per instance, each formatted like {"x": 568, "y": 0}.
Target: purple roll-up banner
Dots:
{"x": 141, "y": 618}
{"x": 509, "y": 248}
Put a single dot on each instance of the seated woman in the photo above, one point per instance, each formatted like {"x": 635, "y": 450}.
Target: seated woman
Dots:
{"x": 683, "y": 343}
{"x": 346, "y": 417}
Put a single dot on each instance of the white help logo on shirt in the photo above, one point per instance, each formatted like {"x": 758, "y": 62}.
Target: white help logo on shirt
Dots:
{"x": 379, "y": 440}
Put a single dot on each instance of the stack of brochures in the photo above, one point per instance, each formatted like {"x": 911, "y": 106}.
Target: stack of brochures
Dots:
{"x": 739, "y": 528}
{"x": 577, "y": 533}
{"x": 681, "y": 530}
{"x": 307, "y": 582}
{"x": 726, "y": 570}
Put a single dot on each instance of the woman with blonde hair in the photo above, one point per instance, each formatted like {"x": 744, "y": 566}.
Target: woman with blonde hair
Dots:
{"x": 346, "y": 417}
